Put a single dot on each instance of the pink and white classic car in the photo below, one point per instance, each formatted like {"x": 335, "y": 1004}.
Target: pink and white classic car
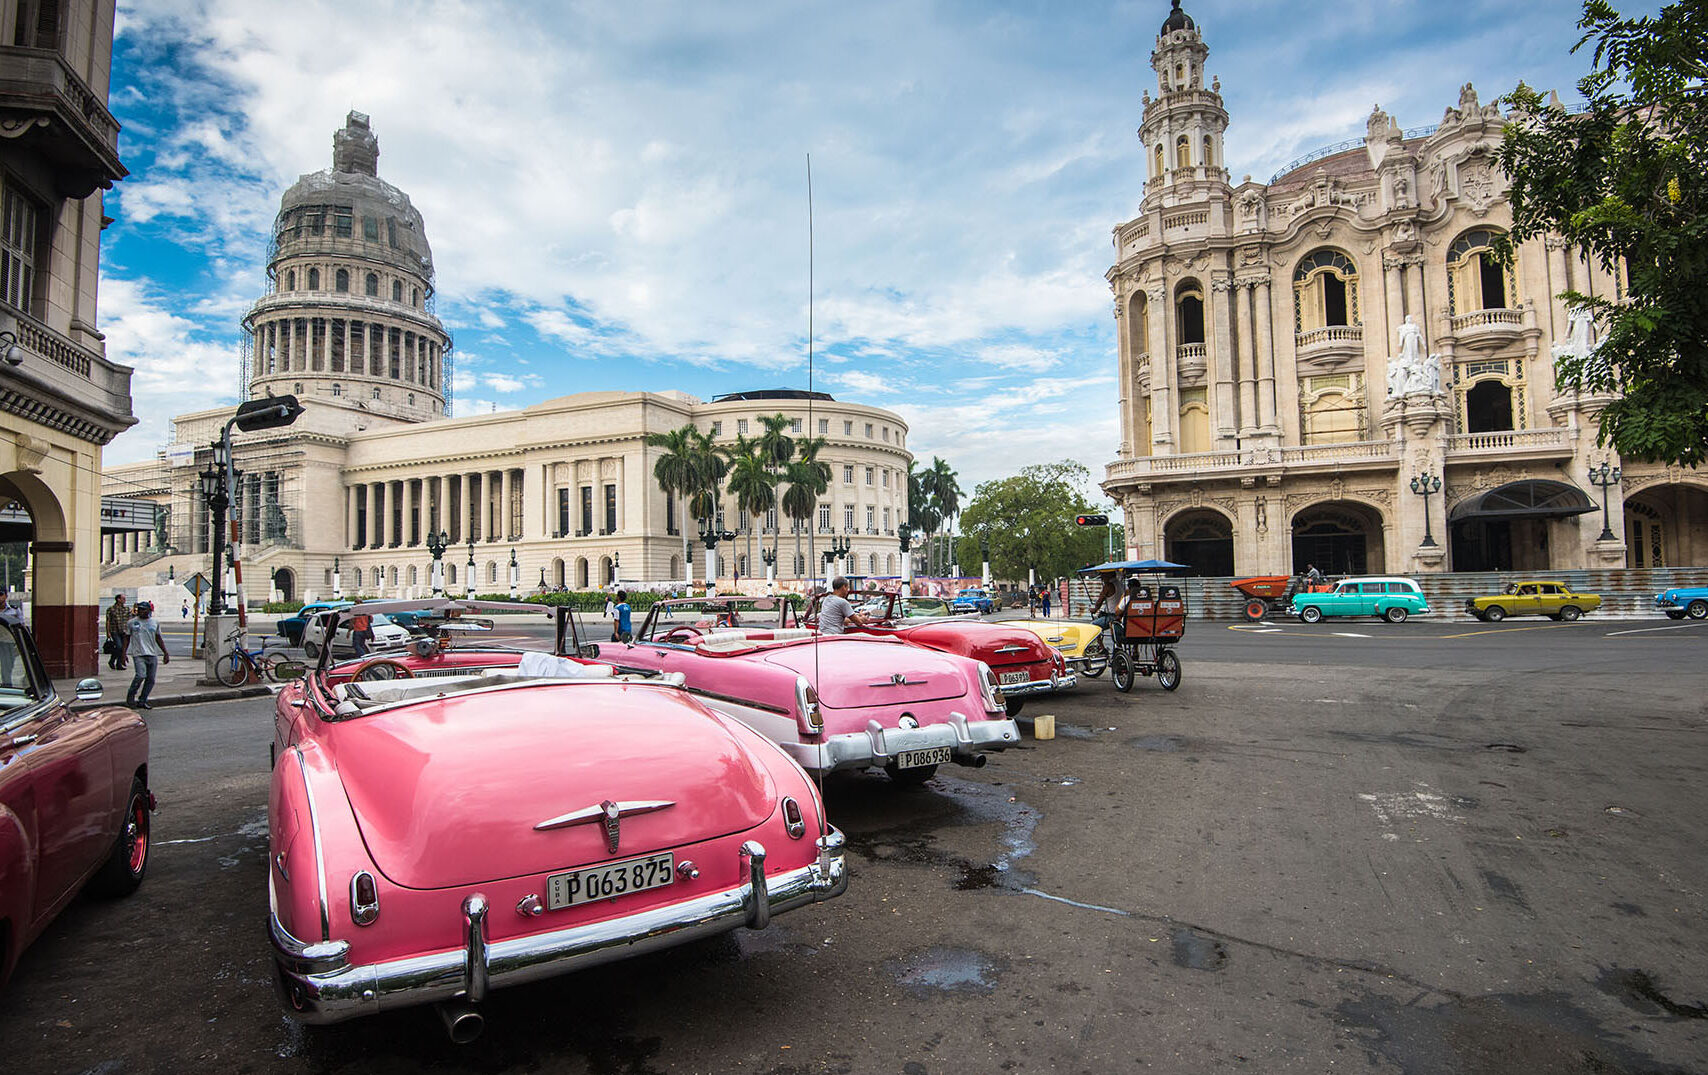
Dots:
{"x": 435, "y": 838}
{"x": 831, "y": 701}
{"x": 1023, "y": 663}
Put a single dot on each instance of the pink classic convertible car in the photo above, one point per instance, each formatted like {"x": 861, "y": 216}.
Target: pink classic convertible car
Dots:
{"x": 831, "y": 702}
{"x": 435, "y": 838}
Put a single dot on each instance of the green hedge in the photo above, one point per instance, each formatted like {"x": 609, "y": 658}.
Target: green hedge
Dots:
{"x": 273, "y": 608}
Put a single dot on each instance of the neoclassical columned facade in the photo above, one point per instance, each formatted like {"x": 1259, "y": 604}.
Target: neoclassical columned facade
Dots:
{"x": 1295, "y": 356}
{"x": 374, "y": 466}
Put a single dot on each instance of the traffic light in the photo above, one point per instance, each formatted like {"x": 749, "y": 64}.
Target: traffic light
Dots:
{"x": 1091, "y": 520}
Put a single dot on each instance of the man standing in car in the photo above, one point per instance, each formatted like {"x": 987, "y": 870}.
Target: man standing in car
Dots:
{"x": 835, "y": 613}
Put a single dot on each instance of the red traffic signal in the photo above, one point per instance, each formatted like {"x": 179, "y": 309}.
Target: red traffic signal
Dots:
{"x": 1091, "y": 520}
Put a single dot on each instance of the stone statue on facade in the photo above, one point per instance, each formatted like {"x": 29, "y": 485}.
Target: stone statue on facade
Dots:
{"x": 1580, "y": 335}
{"x": 1412, "y": 372}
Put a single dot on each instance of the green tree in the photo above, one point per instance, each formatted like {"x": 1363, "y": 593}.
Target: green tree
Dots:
{"x": 753, "y": 483}
{"x": 676, "y": 473}
{"x": 777, "y": 448}
{"x": 809, "y": 479}
{"x": 946, "y": 496}
{"x": 1029, "y": 521}
{"x": 1627, "y": 181}
{"x": 921, "y": 512}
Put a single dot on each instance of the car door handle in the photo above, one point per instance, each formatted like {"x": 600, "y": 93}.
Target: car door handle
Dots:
{"x": 24, "y": 740}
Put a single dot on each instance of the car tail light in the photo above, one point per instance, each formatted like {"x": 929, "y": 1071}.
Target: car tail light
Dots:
{"x": 806, "y": 704}
{"x": 793, "y": 820}
{"x": 988, "y": 689}
{"x": 364, "y": 899}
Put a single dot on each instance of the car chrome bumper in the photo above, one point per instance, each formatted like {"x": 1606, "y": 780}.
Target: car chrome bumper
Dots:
{"x": 318, "y": 985}
{"x": 878, "y": 746}
{"x": 1061, "y": 681}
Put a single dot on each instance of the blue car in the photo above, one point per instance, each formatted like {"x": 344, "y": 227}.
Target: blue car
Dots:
{"x": 973, "y": 600}
{"x": 1682, "y": 601}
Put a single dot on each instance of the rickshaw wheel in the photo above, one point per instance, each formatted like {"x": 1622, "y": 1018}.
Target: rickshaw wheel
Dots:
{"x": 1255, "y": 609}
{"x": 1121, "y": 671}
{"x": 1168, "y": 670}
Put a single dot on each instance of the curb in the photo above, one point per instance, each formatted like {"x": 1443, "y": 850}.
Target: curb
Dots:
{"x": 160, "y": 701}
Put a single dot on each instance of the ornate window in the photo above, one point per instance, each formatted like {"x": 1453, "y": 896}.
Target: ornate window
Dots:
{"x": 291, "y": 280}
{"x": 1209, "y": 152}
{"x": 341, "y": 282}
{"x": 1331, "y": 409}
{"x": 1138, "y": 325}
{"x": 1183, "y": 152}
{"x": 373, "y": 285}
{"x": 19, "y": 227}
{"x": 1189, "y": 312}
{"x": 314, "y": 279}
{"x": 1325, "y": 291}
{"x": 1475, "y": 280}
{"x": 397, "y": 291}
{"x": 1158, "y": 161}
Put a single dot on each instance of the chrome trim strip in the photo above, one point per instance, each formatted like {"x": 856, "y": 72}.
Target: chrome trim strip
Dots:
{"x": 755, "y": 894}
{"x": 474, "y": 949}
{"x": 300, "y": 956}
{"x": 334, "y": 994}
{"x": 319, "y": 855}
{"x": 876, "y": 745}
{"x": 589, "y": 814}
{"x": 766, "y": 706}
{"x": 1039, "y": 686}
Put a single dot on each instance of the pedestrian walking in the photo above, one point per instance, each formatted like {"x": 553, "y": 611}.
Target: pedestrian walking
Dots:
{"x": 148, "y": 650}
{"x": 1044, "y": 602}
{"x": 185, "y": 613}
{"x": 625, "y": 628}
{"x": 11, "y": 613}
{"x": 117, "y": 617}
{"x": 361, "y": 633}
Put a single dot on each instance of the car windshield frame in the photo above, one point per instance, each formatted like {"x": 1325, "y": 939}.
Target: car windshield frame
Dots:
{"x": 768, "y": 613}
{"x": 16, "y": 701}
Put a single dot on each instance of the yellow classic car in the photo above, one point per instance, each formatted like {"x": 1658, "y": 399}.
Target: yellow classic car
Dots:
{"x": 1080, "y": 644}
{"x": 1534, "y": 597}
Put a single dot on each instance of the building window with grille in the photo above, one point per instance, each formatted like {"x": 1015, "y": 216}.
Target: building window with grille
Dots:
{"x": 869, "y": 476}
{"x": 342, "y": 220}
{"x": 824, "y": 427}
{"x": 341, "y": 282}
{"x": 610, "y": 509}
{"x": 19, "y": 220}
{"x": 370, "y": 228}
{"x": 1325, "y": 291}
{"x": 373, "y": 285}
{"x": 741, "y": 425}
{"x": 795, "y": 425}
{"x": 586, "y": 510}
{"x": 1476, "y": 280}
{"x": 824, "y": 517}
{"x": 848, "y": 517}
{"x": 847, "y": 429}
{"x": 717, "y": 429}
{"x": 397, "y": 291}
{"x": 563, "y": 513}
{"x": 314, "y": 279}
{"x": 871, "y": 519}
{"x": 847, "y": 474}
{"x": 868, "y": 431}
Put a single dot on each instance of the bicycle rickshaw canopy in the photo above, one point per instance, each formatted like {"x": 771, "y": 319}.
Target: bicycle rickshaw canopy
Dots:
{"x": 1134, "y": 565}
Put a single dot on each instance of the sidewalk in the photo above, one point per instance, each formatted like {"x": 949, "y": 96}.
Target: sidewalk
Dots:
{"x": 178, "y": 683}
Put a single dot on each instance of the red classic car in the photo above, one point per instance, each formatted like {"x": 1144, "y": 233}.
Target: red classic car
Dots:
{"x": 435, "y": 838}
{"x": 74, "y": 798}
{"x": 1023, "y": 663}
{"x": 831, "y": 702}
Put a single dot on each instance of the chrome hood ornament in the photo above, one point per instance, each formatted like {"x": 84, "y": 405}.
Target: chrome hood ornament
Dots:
{"x": 609, "y": 813}
{"x": 899, "y": 679}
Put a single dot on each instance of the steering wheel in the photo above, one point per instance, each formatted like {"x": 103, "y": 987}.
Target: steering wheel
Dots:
{"x": 680, "y": 635}
{"x": 383, "y": 668}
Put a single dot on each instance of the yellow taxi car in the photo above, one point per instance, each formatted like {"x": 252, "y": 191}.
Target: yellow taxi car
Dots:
{"x": 1534, "y": 597}
{"x": 1081, "y": 644}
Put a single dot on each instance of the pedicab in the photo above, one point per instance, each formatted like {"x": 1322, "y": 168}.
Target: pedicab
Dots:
{"x": 1141, "y": 643}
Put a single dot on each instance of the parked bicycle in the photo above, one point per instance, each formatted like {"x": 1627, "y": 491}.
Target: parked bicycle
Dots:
{"x": 240, "y": 665}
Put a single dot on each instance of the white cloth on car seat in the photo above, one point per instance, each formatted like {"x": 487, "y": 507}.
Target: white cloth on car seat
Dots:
{"x": 537, "y": 665}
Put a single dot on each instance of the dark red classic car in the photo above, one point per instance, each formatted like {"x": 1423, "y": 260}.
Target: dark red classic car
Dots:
{"x": 1023, "y": 663}
{"x": 74, "y": 799}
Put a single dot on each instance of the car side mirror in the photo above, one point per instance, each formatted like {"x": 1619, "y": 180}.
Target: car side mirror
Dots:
{"x": 89, "y": 690}
{"x": 290, "y": 669}
{"x": 590, "y": 650}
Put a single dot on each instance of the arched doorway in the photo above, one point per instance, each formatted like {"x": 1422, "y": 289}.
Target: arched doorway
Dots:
{"x": 676, "y": 568}
{"x": 65, "y": 631}
{"x": 581, "y": 572}
{"x": 285, "y": 581}
{"x": 1666, "y": 526}
{"x": 1340, "y": 537}
{"x": 1514, "y": 527}
{"x": 607, "y": 571}
{"x": 1201, "y": 539}
{"x": 558, "y": 572}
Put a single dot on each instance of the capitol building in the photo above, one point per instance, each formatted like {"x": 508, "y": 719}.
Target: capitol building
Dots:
{"x": 563, "y": 489}
{"x": 1332, "y": 368}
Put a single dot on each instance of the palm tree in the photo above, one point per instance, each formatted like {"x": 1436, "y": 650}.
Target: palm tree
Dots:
{"x": 777, "y": 448}
{"x": 809, "y": 478}
{"x": 753, "y": 484}
{"x": 676, "y": 472}
{"x": 945, "y": 493}
{"x": 919, "y": 510}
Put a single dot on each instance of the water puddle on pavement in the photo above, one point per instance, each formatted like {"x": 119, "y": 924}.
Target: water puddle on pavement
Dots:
{"x": 1195, "y": 951}
{"x": 947, "y": 970}
{"x": 1637, "y": 991}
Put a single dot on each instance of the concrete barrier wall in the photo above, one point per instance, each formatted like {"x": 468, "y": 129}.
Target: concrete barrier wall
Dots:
{"x": 1624, "y": 591}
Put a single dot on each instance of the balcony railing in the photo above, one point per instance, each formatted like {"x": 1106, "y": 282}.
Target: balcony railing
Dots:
{"x": 1330, "y": 334}
{"x": 1478, "y": 322}
{"x": 1196, "y": 464}
{"x": 1511, "y": 440}
{"x": 80, "y": 134}
{"x": 1352, "y": 451}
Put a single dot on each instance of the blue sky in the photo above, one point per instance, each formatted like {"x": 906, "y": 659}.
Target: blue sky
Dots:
{"x": 615, "y": 193}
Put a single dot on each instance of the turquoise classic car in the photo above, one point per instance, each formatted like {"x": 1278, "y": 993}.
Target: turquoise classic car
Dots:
{"x": 1391, "y": 599}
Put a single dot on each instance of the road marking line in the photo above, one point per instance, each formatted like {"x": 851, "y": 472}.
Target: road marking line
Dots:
{"x": 1503, "y": 630}
{"x": 1646, "y": 630}
{"x": 1348, "y": 634}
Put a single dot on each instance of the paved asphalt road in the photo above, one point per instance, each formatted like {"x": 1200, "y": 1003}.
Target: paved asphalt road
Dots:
{"x": 1428, "y": 850}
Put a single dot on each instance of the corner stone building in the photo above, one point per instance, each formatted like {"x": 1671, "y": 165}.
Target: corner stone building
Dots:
{"x": 374, "y": 465}
{"x": 1276, "y": 407}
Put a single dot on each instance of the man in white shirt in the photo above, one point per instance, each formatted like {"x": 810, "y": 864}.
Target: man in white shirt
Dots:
{"x": 147, "y": 651}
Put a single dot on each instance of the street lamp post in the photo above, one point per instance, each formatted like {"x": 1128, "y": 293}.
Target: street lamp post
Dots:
{"x": 468, "y": 577}
{"x": 1426, "y": 485}
{"x": 1604, "y": 476}
{"x": 337, "y": 581}
{"x": 905, "y": 533}
{"x": 709, "y": 537}
{"x": 770, "y": 558}
{"x": 515, "y": 575}
{"x": 839, "y": 548}
{"x": 436, "y": 544}
{"x": 984, "y": 554}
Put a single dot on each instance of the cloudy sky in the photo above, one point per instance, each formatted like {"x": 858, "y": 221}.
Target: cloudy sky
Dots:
{"x": 616, "y": 193}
